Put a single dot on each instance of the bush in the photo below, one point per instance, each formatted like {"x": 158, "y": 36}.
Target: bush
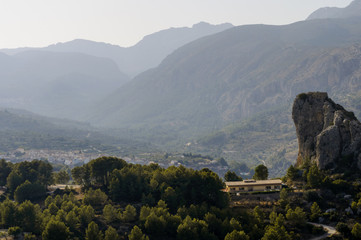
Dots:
{"x": 342, "y": 228}
{"x": 29, "y": 191}
{"x": 311, "y": 196}
{"x": 302, "y": 96}
{"x": 129, "y": 214}
{"x": 14, "y": 231}
{"x": 55, "y": 230}
{"x": 339, "y": 186}
{"x": 95, "y": 198}
{"x": 315, "y": 212}
{"x": 356, "y": 231}
{"x": 29, "y": 236}
{"x": 297, "y": 217}
{"x": 137, "y": 234}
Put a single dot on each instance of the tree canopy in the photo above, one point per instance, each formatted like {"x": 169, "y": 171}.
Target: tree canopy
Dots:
{"x": 260, "y": 172}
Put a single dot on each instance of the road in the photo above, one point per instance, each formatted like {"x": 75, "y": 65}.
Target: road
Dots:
{"x": 329, "y": 231}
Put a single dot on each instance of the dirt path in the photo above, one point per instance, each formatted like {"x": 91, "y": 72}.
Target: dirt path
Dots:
{"x": 329, "y": 231}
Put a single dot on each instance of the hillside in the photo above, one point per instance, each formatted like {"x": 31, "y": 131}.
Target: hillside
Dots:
{"x": 272, "y": 132}
{"x": 23, "y": 129}
{"x": 232, "y": 76}
{"x": 146, "y": 54}
{"x": 56, "y": 84}
{"x": 267, "y": 138}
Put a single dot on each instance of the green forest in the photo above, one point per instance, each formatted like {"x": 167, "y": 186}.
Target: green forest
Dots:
{"x": 112, "y": 199}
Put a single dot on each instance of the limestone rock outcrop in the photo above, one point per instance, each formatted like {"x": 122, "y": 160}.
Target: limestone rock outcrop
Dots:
{"x": 326, "y": 132}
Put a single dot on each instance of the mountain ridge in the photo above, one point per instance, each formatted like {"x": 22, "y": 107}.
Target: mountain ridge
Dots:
{"x": 227, "y": 78}
{"x": 352, "y": 10}
{"x": 56, "y": 84}
{"x": 145, "y": 54}
{"x": 210, "y": 52}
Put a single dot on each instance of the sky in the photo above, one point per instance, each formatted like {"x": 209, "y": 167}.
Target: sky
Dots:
{"x": 39, "y": 23}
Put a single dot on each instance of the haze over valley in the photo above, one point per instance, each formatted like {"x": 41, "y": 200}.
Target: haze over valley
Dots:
{"x": 225, "y": 120}
{"x": 221, "y": 91}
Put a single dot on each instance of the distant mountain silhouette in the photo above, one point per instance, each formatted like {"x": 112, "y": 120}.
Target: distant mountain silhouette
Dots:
{"x": 146, "y": 54}
{"x": 56, "y": 84}
{"x": 353, "y": 10}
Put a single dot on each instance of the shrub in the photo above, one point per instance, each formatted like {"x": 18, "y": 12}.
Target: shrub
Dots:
{"x": 14, "y": 231}
{"x": 95, "y": 198}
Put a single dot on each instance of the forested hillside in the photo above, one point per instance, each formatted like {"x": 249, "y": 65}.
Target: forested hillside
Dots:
{"x": 21, "y": 129}
{"x": 118, "y": 200}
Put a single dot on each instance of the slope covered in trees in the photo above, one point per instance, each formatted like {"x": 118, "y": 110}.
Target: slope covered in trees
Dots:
{"x": 119, "y": 200}
{"x": 22, "y": 129}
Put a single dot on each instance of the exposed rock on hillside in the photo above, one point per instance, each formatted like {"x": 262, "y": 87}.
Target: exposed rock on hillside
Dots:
{"x": 326, "y": 132}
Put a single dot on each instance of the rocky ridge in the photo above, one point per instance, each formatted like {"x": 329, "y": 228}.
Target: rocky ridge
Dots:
{"x": 326, "y": 132}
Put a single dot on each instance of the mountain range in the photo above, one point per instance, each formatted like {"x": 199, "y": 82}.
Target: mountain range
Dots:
{"x": 237, "y": 73}
{"x": 56, "y": 84}
{"x": 146, "y": 54}
{"x": 216, "y": 83}
{"x": 227, "y": 94}
{"x": 65, "y": 79}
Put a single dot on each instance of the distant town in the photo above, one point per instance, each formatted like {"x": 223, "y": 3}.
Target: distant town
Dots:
{"x": 70, "y": 158}
{"x": 74, "y": 158}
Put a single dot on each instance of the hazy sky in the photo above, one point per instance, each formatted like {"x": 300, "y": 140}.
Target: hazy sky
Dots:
{"x": 37, "y": 23}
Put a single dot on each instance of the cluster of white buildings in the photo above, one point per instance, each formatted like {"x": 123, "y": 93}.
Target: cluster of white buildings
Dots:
{"x": 69, "y": 158}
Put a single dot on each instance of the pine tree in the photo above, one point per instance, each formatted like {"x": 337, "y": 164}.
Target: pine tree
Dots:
{"x": 236, "y": 235}
{"x": 137, "y": 234}
{"x": 111, "y": 234}
{"x": 55, "y": 230}
{"x": 315, "y": 212}
{"x": 92, "y": 232}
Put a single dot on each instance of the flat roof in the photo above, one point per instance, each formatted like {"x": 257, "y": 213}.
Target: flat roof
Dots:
{"x": 254, "y": 182}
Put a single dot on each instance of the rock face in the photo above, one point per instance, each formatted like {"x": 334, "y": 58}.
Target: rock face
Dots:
{"x": 326, "y": 132}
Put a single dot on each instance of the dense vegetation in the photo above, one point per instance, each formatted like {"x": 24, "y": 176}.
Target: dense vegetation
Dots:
{"x": 119, "y": 200}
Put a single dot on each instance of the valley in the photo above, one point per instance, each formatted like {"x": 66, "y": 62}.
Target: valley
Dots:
{"x": 217, "y": 90}
{"x": 206, "y": 132}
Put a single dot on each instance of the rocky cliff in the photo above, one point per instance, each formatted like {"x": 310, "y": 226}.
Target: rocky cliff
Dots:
{"x": 326, "y": 132}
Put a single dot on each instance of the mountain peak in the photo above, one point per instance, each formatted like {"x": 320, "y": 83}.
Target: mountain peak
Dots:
{"x": 201, "y": 24}
{"x": 208, "y": 25}
{"x": 352, "y": 10}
